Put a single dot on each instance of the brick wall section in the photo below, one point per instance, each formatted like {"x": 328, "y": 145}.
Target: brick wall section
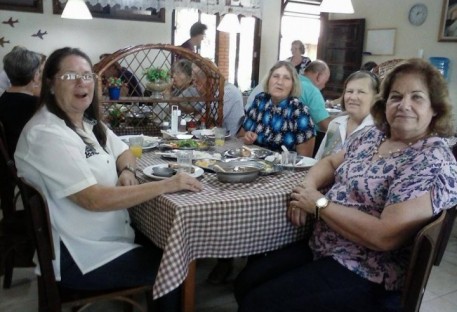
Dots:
{"x": 223, "y": 50}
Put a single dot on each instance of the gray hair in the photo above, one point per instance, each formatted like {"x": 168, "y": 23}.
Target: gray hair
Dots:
{"x": 21, "y": 65}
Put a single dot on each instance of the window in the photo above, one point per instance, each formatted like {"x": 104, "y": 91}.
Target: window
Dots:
{"x": 242, "y": 47}
{"x": 302, "y": 15}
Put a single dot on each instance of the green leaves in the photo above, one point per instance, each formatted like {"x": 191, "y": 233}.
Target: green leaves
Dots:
{"x": 154, "y": 74}
{"x": 114, "y": 82}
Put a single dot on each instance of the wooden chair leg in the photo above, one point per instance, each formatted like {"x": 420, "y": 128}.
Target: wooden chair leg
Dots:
{"x": 188, "y": 291}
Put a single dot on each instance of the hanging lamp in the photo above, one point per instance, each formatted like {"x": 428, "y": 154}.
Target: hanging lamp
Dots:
{"x": 230, "y": 23}
{"x": 337, "y": 6}
{"x": 76, "y": 9}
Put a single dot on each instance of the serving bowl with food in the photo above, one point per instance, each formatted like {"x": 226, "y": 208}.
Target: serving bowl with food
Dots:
{"x": 248, "y": 151}
{"x": 230, "y": 172}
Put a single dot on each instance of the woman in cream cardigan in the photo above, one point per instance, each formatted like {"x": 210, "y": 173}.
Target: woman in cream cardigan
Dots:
{"x": 360, "y": 90}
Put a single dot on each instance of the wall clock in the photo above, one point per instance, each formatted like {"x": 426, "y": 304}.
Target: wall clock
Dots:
{"x": 417, "y": 14}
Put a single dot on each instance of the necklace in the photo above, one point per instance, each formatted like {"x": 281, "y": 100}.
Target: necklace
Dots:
{"x": 389, "y": 153}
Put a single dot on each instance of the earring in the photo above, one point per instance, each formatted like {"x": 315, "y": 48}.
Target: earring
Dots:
{"x": 52, "y": 91}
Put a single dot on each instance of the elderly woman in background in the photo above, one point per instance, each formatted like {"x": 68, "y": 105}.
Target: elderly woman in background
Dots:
{"x": 297, "y": 59}
{"x": 17, "y": 105}
{"x": 87, "y": 175}
{"x": 20, "y": 100}
{"x": 387, "y": 183}
{"x": 360, "y": 90}
{"x": 182, "y": 85}
{"x": 277, "y": 117}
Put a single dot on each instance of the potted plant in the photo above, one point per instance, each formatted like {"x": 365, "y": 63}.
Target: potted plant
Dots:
{"x": 114, "y": 87}
{"x": 115, "y": 117}
{"x": 158, "y": 81}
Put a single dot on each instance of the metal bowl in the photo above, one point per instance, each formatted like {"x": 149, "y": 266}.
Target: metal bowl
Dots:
{"x": 163, "y": 171}
{"x": 232, "y": 173}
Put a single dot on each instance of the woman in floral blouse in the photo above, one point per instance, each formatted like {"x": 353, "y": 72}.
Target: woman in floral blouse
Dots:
{"x": 387, "y": 183}
{"x": 277, "y": 117}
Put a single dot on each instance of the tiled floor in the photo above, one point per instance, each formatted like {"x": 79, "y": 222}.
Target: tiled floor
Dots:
{"x": 440, "y": 296}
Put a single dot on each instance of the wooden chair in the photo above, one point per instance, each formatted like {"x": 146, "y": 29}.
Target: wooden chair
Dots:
{"x": 14, "y": 230}
{"x": 382, "y": 69}
{"x": 428, "y": 249}
{"x": 51, "y": 295}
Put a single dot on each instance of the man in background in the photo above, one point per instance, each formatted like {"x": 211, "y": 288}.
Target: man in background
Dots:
{"x": 197, "y": 34}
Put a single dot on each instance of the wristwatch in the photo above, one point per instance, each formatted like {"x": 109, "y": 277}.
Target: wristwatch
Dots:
{"x": 321, "y": 203}
{"x": 130, "y": 168}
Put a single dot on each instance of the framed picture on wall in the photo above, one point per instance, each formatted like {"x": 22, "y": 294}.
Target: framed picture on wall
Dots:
{"x": 35, "y": 6}
{"x": 448, "y": 25}
{"x": 116, "y": 12}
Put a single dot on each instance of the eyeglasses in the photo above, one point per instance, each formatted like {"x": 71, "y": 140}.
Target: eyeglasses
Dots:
{"x": 74, "y": 76}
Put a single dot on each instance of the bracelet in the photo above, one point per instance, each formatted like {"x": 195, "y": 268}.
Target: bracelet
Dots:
{"x": 129, "y": 168}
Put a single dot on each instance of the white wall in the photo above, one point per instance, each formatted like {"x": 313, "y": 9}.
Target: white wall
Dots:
{"x": 271, "y": 22}
{"x": 409, "y": 39}
{"x": 94, "y": 37}
{"x": 104, "y": 35}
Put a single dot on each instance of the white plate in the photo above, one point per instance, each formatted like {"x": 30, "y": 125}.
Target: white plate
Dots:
{"x": 148, "y": 141}
{"x": 303, "y": 162}
{"x": 148, "y": 171}
{"x": 168, "y": 135}
{"x": 196, "y": 155}
{"x": 206, "y": 132}
{"x": 184, "y": 136}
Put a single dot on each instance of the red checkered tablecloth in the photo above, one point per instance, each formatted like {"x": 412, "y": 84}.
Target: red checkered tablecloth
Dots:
{"x": 224, "y": 220}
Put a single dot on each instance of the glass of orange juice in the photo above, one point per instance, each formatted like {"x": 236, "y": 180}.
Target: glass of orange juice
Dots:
{"x": 136, "y": 146}
{"x": 219, "y": 135}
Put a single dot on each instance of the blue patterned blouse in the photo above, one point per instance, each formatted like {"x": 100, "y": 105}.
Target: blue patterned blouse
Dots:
{"x": 366, "y": 185}
{"x": 287, "y": 123}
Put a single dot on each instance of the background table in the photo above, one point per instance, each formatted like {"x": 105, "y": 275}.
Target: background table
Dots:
{"x": 223, "y": 221}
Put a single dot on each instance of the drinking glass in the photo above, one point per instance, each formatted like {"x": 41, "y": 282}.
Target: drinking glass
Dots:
{"x": 184, "y": 159}
{"x": 288, "y": 160}
{"x": 219, "y": 135}
{"x": 136, "y": 146}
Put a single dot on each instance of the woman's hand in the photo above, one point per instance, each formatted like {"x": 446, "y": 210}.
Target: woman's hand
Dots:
{"x": 127, "y": 178}
{"x": 249, "y": 137}
{"x": 302, "y": 202}
{"x": 183, "y": 181}
{"x": 296, "y": 216}
{"x": 304, "y": 198}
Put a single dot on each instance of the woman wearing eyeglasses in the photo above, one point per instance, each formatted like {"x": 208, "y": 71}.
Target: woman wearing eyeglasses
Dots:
{"x": 87, "y": 175}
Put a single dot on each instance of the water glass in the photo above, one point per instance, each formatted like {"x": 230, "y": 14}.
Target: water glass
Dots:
{"x": 219, "y": 136}
{"x": 184, "y": 159}
{"x": 136, "y": 146}
{"x": 288, "y": 160}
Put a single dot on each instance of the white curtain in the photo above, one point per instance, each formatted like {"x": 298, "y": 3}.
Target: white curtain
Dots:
{"x": 243, "y": 7}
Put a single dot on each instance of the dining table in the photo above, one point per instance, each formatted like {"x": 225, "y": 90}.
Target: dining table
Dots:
{"x": 224, "y": 220}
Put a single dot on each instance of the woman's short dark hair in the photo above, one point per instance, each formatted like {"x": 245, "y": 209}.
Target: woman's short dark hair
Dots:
{"x": 374, "y": 82}
{"x": 20, "y": 65}
{"x": 368, "y": 66}
{"x": 197, "y": 29}
{"x": 51, "y": 68}
{"x": 441, "y": 124}
{"x": 296, "y": 86}
{"x": 300, "y": 45}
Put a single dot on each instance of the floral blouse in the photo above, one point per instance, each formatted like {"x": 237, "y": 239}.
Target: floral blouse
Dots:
{"x": 287, "y": 123}
{"x": 426, "y": 166}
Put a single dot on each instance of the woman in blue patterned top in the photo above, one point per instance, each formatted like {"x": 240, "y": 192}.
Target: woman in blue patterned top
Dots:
{"x": 277, "y": 117}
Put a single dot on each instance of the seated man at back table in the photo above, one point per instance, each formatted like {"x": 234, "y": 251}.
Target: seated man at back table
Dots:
{"x": 233, "y": 109}
{"x": 316, "y": 76}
